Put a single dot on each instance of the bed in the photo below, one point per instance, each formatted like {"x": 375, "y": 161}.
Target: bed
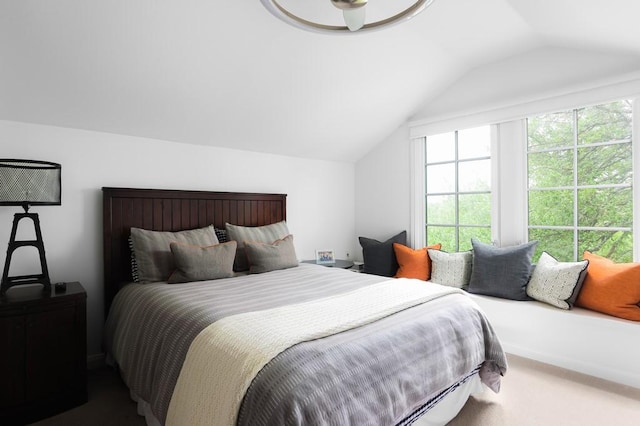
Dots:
{"x": 417, "y": 362}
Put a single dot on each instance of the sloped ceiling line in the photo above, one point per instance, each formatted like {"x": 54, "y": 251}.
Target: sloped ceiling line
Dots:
{"x": 176, "y": 71}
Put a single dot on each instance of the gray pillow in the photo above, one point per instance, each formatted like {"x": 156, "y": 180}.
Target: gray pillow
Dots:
{"x": 152, "y": 252}
{"x": 265, "y": 257}
{"x": 557, "y": 283}
{"x": 199, "y": 263}
{"x": 450, "y": 269}
{"x": 501, "y": 271}
{"x": 379, "y": 257}
{"x": 259, "y": 234}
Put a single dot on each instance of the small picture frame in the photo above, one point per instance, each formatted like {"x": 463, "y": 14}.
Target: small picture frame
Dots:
{"x": 325, "y": 256}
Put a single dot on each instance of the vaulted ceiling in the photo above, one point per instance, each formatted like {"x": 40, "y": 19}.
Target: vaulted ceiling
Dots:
{"x": 229, "y": 74}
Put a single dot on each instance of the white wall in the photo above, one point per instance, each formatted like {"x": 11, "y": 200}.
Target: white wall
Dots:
{"x": 320, "y": 202}
{"x": 530, "y": 83}
{"x": 383, "y": 189}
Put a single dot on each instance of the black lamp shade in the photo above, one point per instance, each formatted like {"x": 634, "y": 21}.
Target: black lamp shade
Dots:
{"x": 30, "y": 183}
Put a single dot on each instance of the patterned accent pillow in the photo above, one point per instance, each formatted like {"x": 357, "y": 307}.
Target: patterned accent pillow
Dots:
{"x": 451, "y": 269}
{"x": 557, "y": 283}
{"x": 259, "y": 234}
{"x": 222, "y": 235}
{"x": 379, "y": 257}
{"x": 197, "y": 263}
{"x": 153, "y": 254}
{"x": 134, "y": 263}
{"x": 265, "y": 257}
{"x": 501, "y": 271}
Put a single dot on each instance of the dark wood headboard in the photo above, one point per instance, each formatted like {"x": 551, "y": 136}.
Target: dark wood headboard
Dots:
{"x": 172, "y": 210}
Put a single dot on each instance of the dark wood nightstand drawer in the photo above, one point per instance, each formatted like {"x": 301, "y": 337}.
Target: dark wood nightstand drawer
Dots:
{"x": 43, "y": 361}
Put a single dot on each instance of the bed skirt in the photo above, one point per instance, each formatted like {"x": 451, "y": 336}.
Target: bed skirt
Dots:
{"x": 438, "y": 412}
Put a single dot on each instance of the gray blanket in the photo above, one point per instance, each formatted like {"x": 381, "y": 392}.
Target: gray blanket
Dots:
{"x": 377, "y": 374}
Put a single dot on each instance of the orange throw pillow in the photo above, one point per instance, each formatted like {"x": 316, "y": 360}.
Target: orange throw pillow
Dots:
{"x": 611, "y": 288}
{"x": 413, "y": 263}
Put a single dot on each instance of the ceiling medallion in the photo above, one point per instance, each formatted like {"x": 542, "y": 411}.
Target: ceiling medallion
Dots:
{"x": 354, "y": 15}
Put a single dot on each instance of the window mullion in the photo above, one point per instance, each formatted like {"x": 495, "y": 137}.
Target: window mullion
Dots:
{"x": 635, "y": 156}
{"x": 457, "y": 190}
{"x": 575, "y": 184}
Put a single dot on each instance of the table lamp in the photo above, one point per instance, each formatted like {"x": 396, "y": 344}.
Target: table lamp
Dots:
{"x": 28, "y": 183}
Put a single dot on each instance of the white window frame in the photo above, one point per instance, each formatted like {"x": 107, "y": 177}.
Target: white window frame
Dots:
{"x": 509, "y": 156}
{"x": 457, "y": 161}
{"x": 636, "y": 179}
{"x": 508, "y": 177}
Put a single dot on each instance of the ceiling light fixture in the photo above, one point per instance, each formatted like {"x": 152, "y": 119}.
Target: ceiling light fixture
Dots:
{"x": 353, "y": 13}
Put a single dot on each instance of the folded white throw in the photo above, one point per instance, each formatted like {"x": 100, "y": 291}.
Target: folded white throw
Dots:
{"x": 226, "y": 356}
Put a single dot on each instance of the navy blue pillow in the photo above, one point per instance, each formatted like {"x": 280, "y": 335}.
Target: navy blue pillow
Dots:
{"x": 379, "y": 257}
{"x": 501, "y": 271}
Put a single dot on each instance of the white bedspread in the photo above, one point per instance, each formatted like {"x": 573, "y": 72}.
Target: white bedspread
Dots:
{"x": 226, "y": 356}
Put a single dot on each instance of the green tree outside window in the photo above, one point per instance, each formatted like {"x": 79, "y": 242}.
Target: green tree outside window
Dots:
{"x": 580, "y": 182}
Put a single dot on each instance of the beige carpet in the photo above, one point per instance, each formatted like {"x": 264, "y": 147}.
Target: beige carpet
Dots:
{"x": 533, "y": 394}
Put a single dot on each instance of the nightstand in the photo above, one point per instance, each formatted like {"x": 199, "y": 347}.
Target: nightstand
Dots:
{"x": 43, "y": 355}
{"x": 339, "y": 263}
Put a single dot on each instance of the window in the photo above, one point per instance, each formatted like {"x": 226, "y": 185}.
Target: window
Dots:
{"x": 458, "y": 188}
{"x": 580, "y": 173}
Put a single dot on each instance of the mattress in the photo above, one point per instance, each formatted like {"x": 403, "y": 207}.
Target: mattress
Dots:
{"x": 387, "y": 372}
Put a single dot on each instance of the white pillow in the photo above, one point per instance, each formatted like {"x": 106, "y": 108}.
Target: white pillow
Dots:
{"x": 557, "y": 283}
{"x": 450, "y": 269}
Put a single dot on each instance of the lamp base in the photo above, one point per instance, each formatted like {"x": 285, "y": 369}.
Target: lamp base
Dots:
{"x": 42, "y": 278}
